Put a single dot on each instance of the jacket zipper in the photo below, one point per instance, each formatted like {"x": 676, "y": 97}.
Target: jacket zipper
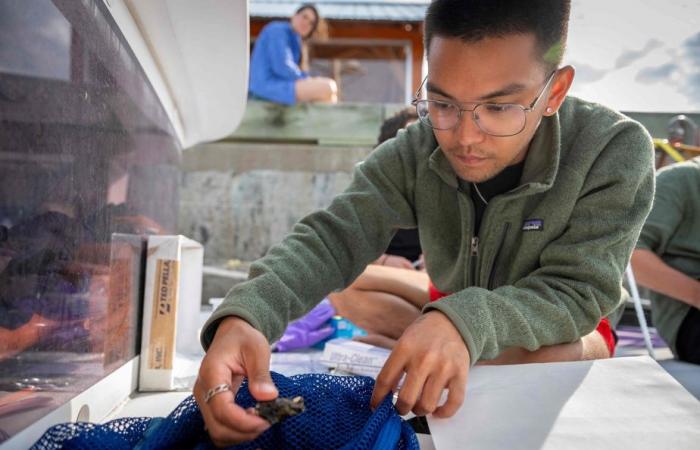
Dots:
{"x": 492, "y": 272}
{"x": 472, "y": 260}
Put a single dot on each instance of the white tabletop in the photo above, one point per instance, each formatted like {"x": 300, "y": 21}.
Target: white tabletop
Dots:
{"x": 614, "y": 404}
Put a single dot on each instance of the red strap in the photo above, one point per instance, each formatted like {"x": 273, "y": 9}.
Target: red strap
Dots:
{"x": 434, "y": 293}
{"x": 605, "y": 330}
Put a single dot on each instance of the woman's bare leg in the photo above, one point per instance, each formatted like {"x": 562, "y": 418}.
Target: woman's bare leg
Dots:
{"x": 411, "y": 285}
{"x": 383, "y": 300}
{"x": 316, "y": 89}
{"x": 386, "y": 300}
{"x": 591, "y": 346}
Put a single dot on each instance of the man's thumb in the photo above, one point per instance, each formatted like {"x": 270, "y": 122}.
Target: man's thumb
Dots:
{"x": 259, "y": 379}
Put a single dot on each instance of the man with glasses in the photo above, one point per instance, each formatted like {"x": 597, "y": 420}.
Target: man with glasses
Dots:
{"x": 528, "y": 205}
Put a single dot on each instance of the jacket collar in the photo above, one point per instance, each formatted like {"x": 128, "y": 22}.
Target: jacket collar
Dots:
{"x": 541, "y": 162}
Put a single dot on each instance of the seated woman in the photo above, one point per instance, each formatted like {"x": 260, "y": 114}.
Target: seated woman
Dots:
{"x": 275, "y": 74}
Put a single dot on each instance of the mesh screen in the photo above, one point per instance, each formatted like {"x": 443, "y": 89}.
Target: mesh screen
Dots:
{"x": 337, "y": 415}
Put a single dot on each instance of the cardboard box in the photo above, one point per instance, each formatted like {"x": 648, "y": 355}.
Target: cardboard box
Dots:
{"x": 354, "y": 357}
{"x": 171, "y": 306}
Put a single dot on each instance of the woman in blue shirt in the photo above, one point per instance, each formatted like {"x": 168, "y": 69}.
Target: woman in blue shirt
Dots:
{"x": 275, "y": 74}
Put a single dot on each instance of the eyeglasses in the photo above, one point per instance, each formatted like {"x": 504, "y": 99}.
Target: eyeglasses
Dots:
{"x": 495, "y": 119}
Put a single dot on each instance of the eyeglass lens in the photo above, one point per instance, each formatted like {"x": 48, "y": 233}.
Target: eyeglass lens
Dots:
{"x": 494, "y": 119}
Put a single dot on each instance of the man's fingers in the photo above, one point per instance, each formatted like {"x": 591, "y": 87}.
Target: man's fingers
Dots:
{"x": 227, "y": 422}
{"x": 388, "y": 377}
{"x": 225, "y": 437}
{"x": 256, "y": 360}
{"x": 228, "y": 414}
{"x": 455, "y": 398}
{"x": 429, "y": 398}
{"x": 237, "y": 350}
{"x": 411, "y": 390}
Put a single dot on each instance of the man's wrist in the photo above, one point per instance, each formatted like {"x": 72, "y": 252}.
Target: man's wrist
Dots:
{"x": 228, "y": 322}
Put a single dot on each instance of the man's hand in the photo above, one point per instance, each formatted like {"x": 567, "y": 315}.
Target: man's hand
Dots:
{"x": 237, "y": 350}
{"x": 434, "y": 356}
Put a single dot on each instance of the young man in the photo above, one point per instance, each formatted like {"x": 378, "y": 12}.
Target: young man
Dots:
{"x": 537, "y": 264}
{"x": 667, "y": 258}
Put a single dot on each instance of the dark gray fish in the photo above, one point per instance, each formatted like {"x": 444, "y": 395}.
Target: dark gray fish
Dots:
{"x": 275, "y": 411}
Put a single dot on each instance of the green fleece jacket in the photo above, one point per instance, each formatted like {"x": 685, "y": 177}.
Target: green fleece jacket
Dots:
{"x": 546, "y": 267}
{"x": 672, "y": 231}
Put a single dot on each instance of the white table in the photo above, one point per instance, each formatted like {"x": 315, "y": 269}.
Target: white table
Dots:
{"x": 614, "y": 404}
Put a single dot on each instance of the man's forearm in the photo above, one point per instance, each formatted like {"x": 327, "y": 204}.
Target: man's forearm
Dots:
{"x": 652, "y": 272}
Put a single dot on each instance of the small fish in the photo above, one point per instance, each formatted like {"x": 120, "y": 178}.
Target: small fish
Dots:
{"x": 275, "y": 411}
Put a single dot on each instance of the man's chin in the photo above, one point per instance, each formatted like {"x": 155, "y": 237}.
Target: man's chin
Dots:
{"x": 475, "y": 173}
{"x": 477, "y": 176}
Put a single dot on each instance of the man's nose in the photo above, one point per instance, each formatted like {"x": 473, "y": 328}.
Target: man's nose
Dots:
{"x": 468, "y": 132}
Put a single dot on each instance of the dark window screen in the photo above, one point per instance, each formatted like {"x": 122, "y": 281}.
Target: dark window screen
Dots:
{"x": 88, "y": 168}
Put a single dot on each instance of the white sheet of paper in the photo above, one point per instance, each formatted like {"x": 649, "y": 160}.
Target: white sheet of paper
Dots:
{"x": 618, "y": 403}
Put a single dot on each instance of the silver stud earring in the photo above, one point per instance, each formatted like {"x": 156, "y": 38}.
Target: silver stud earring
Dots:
{"x": 549, "y": 110}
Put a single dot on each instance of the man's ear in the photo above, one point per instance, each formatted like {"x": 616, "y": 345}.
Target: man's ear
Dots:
{"x": 560, "y": 87}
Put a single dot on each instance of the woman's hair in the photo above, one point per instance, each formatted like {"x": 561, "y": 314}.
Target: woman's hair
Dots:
{"x": 312, "y": 7}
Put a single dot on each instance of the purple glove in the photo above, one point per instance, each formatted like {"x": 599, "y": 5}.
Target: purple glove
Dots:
{"x": 308, "y": 330}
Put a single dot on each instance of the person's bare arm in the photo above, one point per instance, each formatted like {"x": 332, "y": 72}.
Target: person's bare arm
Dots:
{"x": 652, "y": 272}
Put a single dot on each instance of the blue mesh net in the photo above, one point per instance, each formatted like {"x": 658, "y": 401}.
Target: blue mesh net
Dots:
{"x": 337, "y": 415}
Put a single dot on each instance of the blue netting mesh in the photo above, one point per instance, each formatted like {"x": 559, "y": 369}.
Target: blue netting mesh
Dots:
{"x": 337, "y": 416}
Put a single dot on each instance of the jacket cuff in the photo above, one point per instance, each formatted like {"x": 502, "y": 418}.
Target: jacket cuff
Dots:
{"x": 461, "y": 326}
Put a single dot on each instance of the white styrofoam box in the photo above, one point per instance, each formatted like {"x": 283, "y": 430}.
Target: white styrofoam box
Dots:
{"x": 170, "y": 309}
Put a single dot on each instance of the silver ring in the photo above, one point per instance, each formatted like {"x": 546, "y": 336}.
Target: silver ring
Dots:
{"x": 216, "y": 390}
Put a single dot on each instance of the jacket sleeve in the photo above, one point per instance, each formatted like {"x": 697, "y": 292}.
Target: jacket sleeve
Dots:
{"x": 328, "y": 249}
{"x": 666, "y": 215}
{"x": 578, "y": 280}
{"x": 281, "y": 57}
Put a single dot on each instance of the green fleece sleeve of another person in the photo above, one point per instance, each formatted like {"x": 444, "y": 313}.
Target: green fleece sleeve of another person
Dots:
{"x": 667, "y": 258}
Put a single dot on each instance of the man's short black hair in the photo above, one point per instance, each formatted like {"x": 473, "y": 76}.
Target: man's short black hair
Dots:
{"x": 474, "y": 20}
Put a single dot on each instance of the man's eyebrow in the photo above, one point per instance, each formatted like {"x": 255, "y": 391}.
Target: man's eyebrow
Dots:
{"x": 513, "y": 88}
{"x": 430, "y": 87}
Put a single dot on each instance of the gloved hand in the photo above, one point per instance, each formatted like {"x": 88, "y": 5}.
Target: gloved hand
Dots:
{"x": 308, "y": 330}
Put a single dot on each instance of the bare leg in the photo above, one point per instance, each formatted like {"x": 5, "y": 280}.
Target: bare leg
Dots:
{"x": 411, "y": 285}
{"x": 383, "y": 300}
{"x": 591, "y": 346}
{"x": 316, "y": 89}
{"x": 375, "y": 312}
{"x": 386, "y": 300}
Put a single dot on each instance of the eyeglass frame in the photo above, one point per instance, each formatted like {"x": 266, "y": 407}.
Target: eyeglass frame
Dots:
{"x": 460, "y": 110}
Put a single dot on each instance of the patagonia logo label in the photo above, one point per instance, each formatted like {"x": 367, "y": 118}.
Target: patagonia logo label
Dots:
{"x": 533, "y": 225}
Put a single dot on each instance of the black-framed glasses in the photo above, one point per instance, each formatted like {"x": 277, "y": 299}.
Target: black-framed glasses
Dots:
{"x": 495, "y": 119}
